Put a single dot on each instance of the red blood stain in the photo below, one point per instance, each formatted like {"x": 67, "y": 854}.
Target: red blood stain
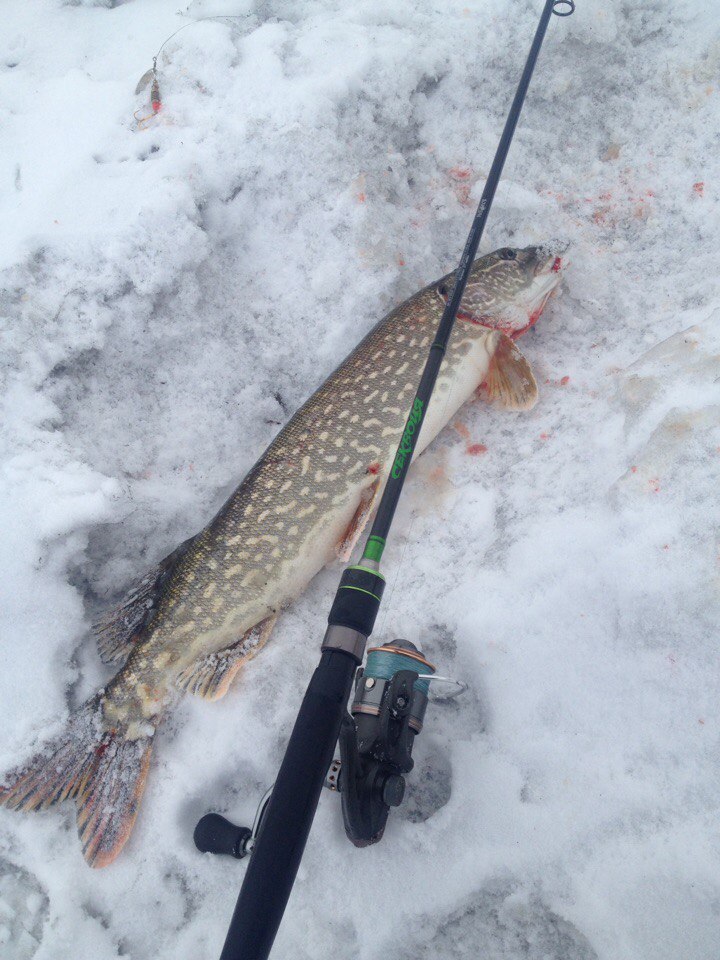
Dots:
{"x": 654, "y": 484}
{"x": 545, "y": 436}
{"x": 564, "y": 381}
{"x": 515, "y": 332}
{"x": 103, "y": 745}
{"x": 557, "y": 264}
{"x": 374, "y": 468}
{"x": 401, "y": 262}
{"x": 468, "y": 318}
{"x": 532, "y": 320}
{"x": 361, "y": 198}
{"x": 462, "y": 185}
{"x": 613, "y": 206}
{"x": 475, "y": 449}
{"x": 633, "y": 469}
{"x": 699, "y": 188}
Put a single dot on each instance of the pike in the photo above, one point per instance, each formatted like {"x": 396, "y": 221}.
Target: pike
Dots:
{"x": 190, "y": 623}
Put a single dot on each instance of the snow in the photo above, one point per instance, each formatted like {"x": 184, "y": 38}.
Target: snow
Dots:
{"x": 171, "y": 294}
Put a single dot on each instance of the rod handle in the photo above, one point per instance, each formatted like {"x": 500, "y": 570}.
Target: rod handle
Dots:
{"x": 290, "y": 812}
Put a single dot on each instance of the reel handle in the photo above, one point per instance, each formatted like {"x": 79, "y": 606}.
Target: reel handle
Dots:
{"x": 215, "y": 834}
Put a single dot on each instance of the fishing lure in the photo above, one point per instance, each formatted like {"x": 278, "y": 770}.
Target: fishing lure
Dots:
{"x": 150, "y": 77}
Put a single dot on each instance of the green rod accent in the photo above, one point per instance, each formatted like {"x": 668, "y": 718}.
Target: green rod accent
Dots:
{"x": 374, "y": 549}
{"x": 360, "y": 590}
{"x": 365, "y": 570}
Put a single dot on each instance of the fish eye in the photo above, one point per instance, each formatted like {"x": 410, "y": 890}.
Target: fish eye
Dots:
{"x": 507, "y": 253}
{"x": 442, "y": 290}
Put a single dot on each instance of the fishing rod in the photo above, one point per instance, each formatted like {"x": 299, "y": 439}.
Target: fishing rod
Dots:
{"x": 391, "y": 692}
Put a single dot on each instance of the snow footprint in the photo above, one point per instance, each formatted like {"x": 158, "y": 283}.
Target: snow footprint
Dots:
{"x": 23, "y": 912}
{"x": 502, "y": 921}
{"x": 429, "y": 785}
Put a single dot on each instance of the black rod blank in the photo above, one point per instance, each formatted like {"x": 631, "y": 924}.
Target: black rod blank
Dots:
{"x": 394, "y": 485}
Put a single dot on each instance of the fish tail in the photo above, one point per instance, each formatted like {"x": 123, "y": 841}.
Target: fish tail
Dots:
{"x": 98, "y": 767}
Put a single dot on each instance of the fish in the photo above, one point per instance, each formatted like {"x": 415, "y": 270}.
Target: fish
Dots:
{"x": 190, "y": 623}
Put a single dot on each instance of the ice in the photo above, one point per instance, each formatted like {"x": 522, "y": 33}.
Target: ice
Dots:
{"x": 171, "y": 293}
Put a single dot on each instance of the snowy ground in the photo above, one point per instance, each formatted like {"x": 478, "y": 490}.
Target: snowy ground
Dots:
{"x": 171, "y": 294}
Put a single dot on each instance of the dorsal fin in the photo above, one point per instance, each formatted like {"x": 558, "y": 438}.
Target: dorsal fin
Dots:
{"x": 117, "y": 631}
{"x": 509, "y": 379}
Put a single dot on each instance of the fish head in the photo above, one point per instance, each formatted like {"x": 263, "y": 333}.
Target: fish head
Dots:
{"x": 507, "y": 289}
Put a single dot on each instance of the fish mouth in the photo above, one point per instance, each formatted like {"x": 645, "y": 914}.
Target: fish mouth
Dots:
{"x": 546, "y": 279}
{"x": 545, "y": 282}
{"x": 551, "y": 257}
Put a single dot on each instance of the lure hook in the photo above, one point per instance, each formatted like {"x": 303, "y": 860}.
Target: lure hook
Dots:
{"x": 559, "y": 5}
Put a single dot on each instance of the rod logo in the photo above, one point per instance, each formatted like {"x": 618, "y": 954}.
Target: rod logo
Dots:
{"x": 406, "y": 444}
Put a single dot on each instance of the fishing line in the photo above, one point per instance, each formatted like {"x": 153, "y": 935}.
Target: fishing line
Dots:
{"x": 192, "y": 23}
{"x": 151, "y": 76}
{"x": 413, "y": 517}
{"x": 408, "y": 539}
{"x": 384, "y": 663}
{"x": 401, "y": 563}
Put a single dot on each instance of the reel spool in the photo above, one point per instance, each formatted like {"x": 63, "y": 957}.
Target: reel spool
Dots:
{"x": 383, "y": 663}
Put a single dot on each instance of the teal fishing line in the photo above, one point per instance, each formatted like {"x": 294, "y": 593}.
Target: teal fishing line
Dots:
{"x": 384, "y": 664}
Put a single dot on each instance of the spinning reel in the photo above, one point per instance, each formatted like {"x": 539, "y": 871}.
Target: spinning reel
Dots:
{"x": 376, "y": 742}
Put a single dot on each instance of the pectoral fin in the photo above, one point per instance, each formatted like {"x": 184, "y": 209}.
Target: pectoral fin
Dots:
{"x": 357, "y": 524}
{"x": 210, "y": 677}
{"x": 509, "y": 379}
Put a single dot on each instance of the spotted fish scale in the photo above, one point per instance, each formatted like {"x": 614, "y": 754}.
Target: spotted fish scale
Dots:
{"x": 190, "y": 623}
